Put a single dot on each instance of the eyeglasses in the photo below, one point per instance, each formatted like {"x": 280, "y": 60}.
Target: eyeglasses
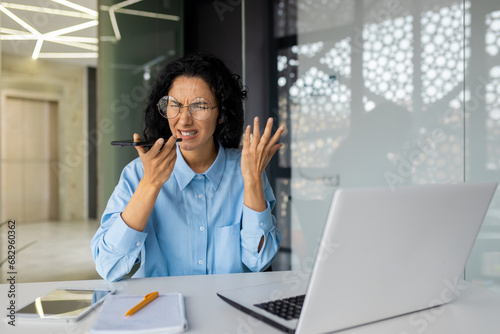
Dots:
{"x": 200, "y": 108}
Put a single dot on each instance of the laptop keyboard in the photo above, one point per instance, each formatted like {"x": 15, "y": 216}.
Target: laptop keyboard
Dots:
{"x": 286, "y": 308}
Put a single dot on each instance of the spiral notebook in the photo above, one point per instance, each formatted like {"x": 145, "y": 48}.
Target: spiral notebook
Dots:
{"x": 165, "y": 314}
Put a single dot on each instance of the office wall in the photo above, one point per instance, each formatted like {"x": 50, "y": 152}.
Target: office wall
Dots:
{"x": 66, "y": 85}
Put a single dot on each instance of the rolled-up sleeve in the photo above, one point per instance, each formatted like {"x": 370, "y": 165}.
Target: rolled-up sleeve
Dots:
{"x": 116, "y": 247}
{"x": 254, "y": 226}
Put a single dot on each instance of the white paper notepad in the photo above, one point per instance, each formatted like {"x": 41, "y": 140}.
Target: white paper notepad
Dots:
{"x": 165, "y": 314}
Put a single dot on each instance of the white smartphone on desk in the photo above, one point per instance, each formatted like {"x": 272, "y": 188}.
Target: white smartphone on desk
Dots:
{"x": 64, "y": 304}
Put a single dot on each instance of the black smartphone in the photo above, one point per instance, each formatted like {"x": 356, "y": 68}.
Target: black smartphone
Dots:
{"x": 136, "y": 143}
{"x": 132, "y": 143}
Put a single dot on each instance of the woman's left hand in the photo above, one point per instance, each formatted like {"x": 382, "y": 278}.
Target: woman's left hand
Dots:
{"x": 258, "y": 151}
{"x": 256, "y": 154}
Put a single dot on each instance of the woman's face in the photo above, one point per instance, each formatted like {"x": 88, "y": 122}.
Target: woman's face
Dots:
{"x": 195, "y": 134}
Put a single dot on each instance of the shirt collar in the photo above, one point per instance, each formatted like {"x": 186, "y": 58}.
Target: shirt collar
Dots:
{"x": 184, "y": 174}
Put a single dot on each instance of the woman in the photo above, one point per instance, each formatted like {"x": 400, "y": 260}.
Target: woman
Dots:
{"x": 199, "y": 205}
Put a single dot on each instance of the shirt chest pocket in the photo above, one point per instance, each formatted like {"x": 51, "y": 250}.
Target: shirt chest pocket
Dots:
{"x": 228, "y": 249}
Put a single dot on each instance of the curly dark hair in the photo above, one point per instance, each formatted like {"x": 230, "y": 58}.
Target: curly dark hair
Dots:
{"x": 225, "y": 86}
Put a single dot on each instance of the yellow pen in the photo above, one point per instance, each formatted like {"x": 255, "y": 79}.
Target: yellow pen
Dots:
{"x": 147, "y": 299}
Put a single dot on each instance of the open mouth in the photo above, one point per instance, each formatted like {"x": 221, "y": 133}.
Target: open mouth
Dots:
{"x": 188, "y": 133}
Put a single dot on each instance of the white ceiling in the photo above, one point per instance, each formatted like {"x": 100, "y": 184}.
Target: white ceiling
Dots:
{"x": 33, "y": 28}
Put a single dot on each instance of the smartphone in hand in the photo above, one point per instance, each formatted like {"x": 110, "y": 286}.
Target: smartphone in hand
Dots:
{"x": 132, "y": 143}
{"x": 136, "y": 143}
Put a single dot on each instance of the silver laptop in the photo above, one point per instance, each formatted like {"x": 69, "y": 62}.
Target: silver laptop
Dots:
{"x": 384, "y": 252}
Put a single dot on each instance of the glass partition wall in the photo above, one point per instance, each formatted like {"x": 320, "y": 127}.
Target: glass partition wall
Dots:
{"x": 386, "y": 93}
{"x": 136, "y": 39}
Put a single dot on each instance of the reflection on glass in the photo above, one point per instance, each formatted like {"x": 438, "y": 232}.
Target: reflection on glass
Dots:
{"x": 285, "y": 18}
{"x": 63, "y": 304}
{"x": 492, "y": 100}
{"x": 338, "y": 58}
{"x": 493, "y": 33}
{"x": 287, "y": 73}
{"x": 388, "y": 59}
{"x": 379, "y": 97}
{"x": 283, "y": 211}
{"x": 442, "y": 40}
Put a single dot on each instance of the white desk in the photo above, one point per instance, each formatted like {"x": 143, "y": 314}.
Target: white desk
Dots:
{"x": 476, "y": 311}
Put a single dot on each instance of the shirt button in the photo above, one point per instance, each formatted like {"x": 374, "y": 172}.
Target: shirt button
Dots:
{"x": 202, "y": 228}
{"x": 138, "y": 244}
{"x": 200, "y": 262}
{"x": 200, "y": 196}
{"x": 200, "y": 177}
{"x": 261, "y": 224}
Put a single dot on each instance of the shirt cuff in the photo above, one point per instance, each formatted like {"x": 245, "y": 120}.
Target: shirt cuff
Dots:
{"x": 257, "y": 223}
{"x": 124, "y": 238}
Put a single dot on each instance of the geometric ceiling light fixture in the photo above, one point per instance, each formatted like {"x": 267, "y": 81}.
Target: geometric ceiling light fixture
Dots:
{"x": 120, "y": 8}
{"x": 87, "y": 14}
{"x": 112, "y": 16}
{"x": 77, "y": 7}
{"x": 21, "y": 25}
{"x": 54, "y": 36}
{"x": 57, "y": 33}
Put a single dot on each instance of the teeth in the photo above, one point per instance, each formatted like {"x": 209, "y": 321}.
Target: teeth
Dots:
{"x": 190, "y": 133}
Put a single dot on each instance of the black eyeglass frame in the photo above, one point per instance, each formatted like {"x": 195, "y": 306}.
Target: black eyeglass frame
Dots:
{"x": 167, "y": 97}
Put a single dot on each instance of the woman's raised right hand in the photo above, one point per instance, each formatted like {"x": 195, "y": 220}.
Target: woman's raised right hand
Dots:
{"x": 158, "y": 162}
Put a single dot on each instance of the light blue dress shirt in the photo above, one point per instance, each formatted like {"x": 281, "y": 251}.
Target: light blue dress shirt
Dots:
{"x": 199, "y": 225}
